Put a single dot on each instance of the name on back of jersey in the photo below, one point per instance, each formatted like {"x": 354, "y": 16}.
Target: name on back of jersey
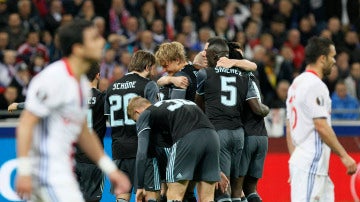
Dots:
{"x": 125, "y": 85}
{"x": 228, "y": 71}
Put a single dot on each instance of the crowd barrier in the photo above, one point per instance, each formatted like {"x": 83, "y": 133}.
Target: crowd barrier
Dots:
{"x": 273, "y": 187}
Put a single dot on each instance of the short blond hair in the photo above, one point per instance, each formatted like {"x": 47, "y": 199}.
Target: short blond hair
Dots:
{"x": 170, "y": 51}
{"x": 135, "y": 103}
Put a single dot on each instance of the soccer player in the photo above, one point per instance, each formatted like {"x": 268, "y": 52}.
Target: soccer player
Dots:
{"x": 194, "y": 153}
{"x": 89, "y": 176}
{"x": 221, "y": 93}
{"x": 256, "y": 140}
{"x": 310, "y": 137}
{"x": 54, "y": 119}
{"x": 123, "y": 129}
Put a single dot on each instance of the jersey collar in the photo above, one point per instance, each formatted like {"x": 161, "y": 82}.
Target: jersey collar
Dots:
{"x": 67, "y": 65}
{"x": 313, "y": 72}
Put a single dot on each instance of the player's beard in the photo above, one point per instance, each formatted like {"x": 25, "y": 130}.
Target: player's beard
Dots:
{"x": 327, "y": 70}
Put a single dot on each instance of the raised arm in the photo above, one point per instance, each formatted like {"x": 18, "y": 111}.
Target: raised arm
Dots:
{"x": 178, "y": 81}
{"x": 244, "y": 64}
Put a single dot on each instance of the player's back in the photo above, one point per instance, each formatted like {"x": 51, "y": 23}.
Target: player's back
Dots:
{"x": 308, "y": 98}
{"x": 96, "y": 120}
{"x": 224, "y": 94}
{"x": 60, "y": 101}
{"x": 178, "y": 116}
{"x": 123, "y": 129}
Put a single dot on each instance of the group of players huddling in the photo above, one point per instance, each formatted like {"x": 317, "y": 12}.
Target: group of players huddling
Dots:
{"x": 200, "y": 126}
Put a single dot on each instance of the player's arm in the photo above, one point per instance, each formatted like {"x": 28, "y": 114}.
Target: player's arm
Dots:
{"x": 24, "y": 137}
{"x": 244, "y": 64}
{"x": 199, "y": 97}
{"x": 178, "y": 81}
{"x": 152, "y": 92}
{"x": 290, "y": 145}
{"x": 90, "y": 144}
{"x": 328, "y": 135}
{"x": 16, "y": 106}
{"x": 257, "y": 107}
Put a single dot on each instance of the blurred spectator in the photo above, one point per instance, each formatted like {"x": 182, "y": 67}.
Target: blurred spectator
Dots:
{"x": 252, "y": 33}
{"x": 326, "y": 33}
{"x": 55, "y": 51}
{"x": 30, "y": 19}
{"x": 343, "y": 64}
{"x": 204, "y": 34}
{"x": 132, "y": 32}
{"x": 8, "y": 69}
{"x": 344, "y": 105}
{"x": 32, "y": 47}
{"x": 147, "y": 15}
{"x": 66, "y": 18}
{"x": 286, "y": 9}
{"x": 100, "y": 24}
{"x": 4, "y": 40}
{"x": 87, "y": 11}
{"x": 221, "y": 28}
{"x": 188, "y": 29}
{"x": 281, "y": 94}
{"x": 118, "y": 15}
{"x": 158, "y": 31}
{"x": 117, "y": 43}
{"x": 267, "y": 41}
{"x": 146, "y": 42}
{"x": 268, "y": 77}
{"x": 42, "y": 7}
{"x": 205, "y": 14}
{"x": 278, "y": 30}
{"x": 316, "y": 11}
{"x": 7, "y": 98}
{"x": 307, "y": 30}
{"x": 332, "y": 79}
{"x": 256, "y": 12}
{"x": 236, "y": 15}
{"x": 346, "y": 11}
{"x": 117, "y": 73}
{"x": 53, "y": 19}
{"x": 352, "y": 82}
{"x": 293, "y": 41}
{"x": 21, "y": 80}
{"x": 72, "y": 7}
{"x": 284, "y": 65}
{"x": 125, "y": 60}
{"x": 4, "y": 14}
{"x": 108, "y": 64}
{"x": 37, "y": 64}
{"x": 337, "y": 35}
{"x": 17, "y": 33}
{"x": 352, "y": 46}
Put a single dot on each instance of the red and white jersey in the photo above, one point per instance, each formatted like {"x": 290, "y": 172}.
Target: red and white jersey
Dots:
{"x": 308, "y": 98}
{"x": 61, "y": 102}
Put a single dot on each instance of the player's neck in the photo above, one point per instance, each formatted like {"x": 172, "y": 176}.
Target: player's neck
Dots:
{"x": 143, "y": 74}
{"x": 78, "y": 66}
{"x": 315, "y": 70}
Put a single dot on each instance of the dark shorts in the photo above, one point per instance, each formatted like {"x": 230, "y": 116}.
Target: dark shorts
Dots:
{"x": 152, "y": 177}
{"x": 195, "y": 157}
{"x": 91, "y": 180}
{"x": 253, "y": 156}
{"x": 162, "y": 155}
{"x": 231, "y": 147}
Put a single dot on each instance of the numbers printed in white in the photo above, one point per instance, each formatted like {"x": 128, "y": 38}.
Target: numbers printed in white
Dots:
{"x": 228, "y": 86}
{"x": 116, "y": 103}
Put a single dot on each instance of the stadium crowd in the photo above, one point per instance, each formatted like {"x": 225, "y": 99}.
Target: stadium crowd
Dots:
{"x": 273, "y": 33}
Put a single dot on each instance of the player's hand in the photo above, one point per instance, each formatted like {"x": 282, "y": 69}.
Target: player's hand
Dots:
{"x": 225, "y": 62}
{"x": 200, "y": 59}
{"x": 12, "y": 107}
{"x": 350, "y": 164}
{"x": 180, "y": 81}
{"x": 23, "y": 186}
{"x": 120, "y": 181}
{"x": 223, "y": 184}
{"x": 140, "y": 195}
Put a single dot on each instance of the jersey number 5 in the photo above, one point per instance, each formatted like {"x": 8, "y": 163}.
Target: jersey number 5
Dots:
{"x": 228, "y": 87}
{"x": 118, "y": 102}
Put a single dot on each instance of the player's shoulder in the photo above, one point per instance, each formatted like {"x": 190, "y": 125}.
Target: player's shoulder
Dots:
{"x": 53, "y": 73}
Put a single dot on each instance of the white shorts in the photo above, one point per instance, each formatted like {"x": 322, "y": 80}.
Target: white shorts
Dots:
{"x": 310, "y": 187}
{"x": 47, "y": 193}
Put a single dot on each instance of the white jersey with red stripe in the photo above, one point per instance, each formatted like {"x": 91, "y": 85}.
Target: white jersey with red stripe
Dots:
{"x": 61, "y": 103}
{"x": 308, "y": 98}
